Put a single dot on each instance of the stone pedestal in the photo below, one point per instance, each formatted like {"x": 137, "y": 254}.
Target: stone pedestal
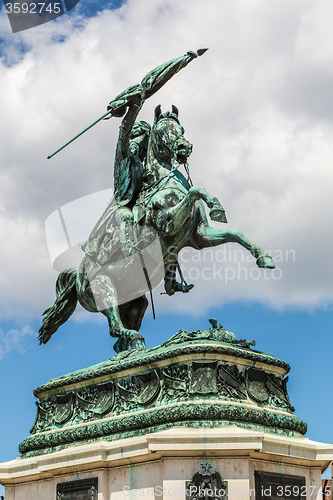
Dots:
{"x": 160, "y": 464}
{"x": 202, "y": 410}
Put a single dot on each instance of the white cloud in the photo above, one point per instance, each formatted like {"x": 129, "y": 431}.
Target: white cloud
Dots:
{"x": 14, "y": 339}
{"x": 257, "y": 107}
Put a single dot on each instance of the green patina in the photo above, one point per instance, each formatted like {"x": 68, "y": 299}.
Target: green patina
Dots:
{"x": 195, "y": 415}
{"x": 183, "y": 342}
{"x": 204, "y": 378}
{"x": 155, "y": 213}
{"x": 191, "y": 424}
{"x": 193, "y": 379}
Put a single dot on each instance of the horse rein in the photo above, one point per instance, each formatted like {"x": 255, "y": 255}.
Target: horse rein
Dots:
{"x": 170, "y": 149}
{"x": 175, "y": 165}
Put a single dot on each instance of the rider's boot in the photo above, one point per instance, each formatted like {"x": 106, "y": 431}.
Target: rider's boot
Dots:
{"x": 126, "y": 233}
{"x": 171, "y": 287}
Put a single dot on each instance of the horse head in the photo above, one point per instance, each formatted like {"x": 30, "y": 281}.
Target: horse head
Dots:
{"x": 167, "y": 141}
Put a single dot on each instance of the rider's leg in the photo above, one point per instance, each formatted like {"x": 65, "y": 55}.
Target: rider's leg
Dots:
{"x": 126, "y": 230}
{"x": 171, "y": 285}
{"x": 170, "y": 282}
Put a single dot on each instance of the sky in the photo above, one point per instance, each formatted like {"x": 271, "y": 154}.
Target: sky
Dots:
{"x": 258, "y": 108}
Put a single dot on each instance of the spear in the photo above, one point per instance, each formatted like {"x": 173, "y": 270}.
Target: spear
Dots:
{"x": 150, "y": 84}
{"x": 82, "y": 132}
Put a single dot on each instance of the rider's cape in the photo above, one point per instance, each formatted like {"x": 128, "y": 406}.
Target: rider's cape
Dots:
{"x": 128, "y": 180}
{"x": 104, "y": 240}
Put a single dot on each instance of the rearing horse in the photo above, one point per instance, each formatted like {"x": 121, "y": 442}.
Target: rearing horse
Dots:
{"x": 166, "y": 205}
{"x": 153, "y": 215}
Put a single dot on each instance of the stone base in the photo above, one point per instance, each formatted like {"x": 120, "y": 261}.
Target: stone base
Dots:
{"x": 195, "y": 379}
{"x": 161, "y": 464}
{"x": 202, "y": 409}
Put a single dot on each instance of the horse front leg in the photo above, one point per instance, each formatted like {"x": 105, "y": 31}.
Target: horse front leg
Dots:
{"x": 208, "y": 237}
{"x": 217, "y": 212}
{"x": 169, "y": 216}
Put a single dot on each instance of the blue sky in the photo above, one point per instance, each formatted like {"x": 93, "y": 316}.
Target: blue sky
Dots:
{"x": 258, "y": 109}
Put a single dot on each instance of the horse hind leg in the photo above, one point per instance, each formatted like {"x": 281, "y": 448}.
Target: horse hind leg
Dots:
{"x": 132, "y": 313}
{"x": 105, "y": 298}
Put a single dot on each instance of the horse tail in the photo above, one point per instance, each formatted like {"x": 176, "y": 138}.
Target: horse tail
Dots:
{"x": 63, "y": 307}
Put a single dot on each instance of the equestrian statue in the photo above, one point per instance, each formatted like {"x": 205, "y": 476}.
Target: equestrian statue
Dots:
{"x": 154, "y": 213}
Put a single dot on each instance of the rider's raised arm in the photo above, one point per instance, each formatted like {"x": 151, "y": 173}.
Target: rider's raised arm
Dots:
{"x": 130, "y": 102}
{"x": 125, "y": 131}
{"x": 134, "y": 96}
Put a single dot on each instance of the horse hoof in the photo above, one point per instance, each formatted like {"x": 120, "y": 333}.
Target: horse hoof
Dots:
{"x": 218, "y": 215}
{"x": 265, "y": 262}
{"x": 138, "y": 342}
{"x": 122, "y": 344}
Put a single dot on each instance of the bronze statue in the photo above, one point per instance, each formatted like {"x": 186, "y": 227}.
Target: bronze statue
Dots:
{"x": 154, "y": 213}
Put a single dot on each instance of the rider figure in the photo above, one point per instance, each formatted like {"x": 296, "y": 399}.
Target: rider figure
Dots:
{"x": 128, "y": 172}
{"x": 130, "y": 155}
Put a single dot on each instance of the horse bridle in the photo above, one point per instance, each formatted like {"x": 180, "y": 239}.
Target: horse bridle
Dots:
{"x": 171, "y": 149}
